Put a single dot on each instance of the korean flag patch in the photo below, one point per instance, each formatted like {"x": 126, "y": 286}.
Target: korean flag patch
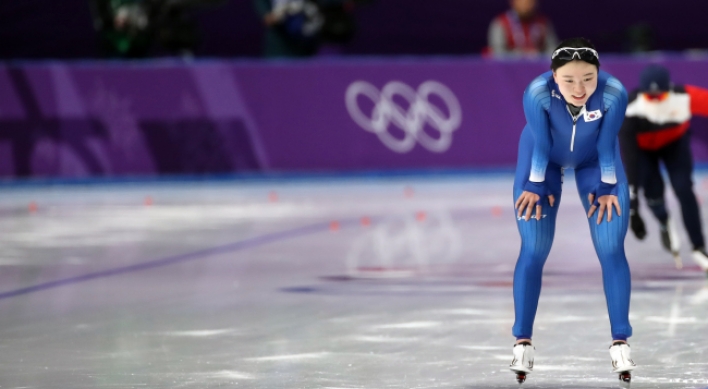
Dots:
{"x": 592, "y": 115}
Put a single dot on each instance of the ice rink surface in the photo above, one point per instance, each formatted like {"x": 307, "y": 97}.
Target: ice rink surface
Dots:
{"x": 339, "y": 283}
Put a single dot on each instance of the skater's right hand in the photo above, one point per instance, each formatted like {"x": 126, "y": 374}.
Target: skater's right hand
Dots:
{"x": 525, "y": 205}
{"x": 637, "y": 224}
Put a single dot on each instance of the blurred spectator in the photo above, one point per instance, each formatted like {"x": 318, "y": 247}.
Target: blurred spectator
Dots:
{"x": 639, "y": 38}
{"x": 521, "y": 31}
{"x": 299, "y": 28}
{"x": 123, "y": 26}
{"x": 293, "y": 27}
{"x": 339, "y": 24}
{"x": 130, "y": 28}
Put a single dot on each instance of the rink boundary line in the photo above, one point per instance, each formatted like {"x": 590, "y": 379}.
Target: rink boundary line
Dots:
{"x": 180, "y": 258}
{"x": 264, "y": 177}
{"x": 283, "y": 177}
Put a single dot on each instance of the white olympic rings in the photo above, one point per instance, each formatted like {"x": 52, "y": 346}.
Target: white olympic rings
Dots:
{"x": 412, "y": 121}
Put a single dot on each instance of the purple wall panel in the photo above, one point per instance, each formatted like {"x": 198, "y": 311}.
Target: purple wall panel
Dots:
{"x": 312, "y": 113}
{"x": 81, "y": 120}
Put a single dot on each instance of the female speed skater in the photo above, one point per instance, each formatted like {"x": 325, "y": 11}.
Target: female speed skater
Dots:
{"x": 574, "y": 113}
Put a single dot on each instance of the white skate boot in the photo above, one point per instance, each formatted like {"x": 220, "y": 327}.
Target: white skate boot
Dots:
{"x": 622, "y": 361}
{"x": 522, "y": 364}
{"x": 701, "y": 258}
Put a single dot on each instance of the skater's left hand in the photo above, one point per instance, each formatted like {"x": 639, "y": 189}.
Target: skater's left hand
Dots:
{"x": 604, "y": 204}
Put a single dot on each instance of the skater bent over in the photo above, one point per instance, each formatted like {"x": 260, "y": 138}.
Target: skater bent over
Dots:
{"x": 573, "y": 114}
{"x": 656, "y": 129}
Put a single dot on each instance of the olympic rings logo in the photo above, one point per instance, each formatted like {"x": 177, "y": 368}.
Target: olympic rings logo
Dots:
{"x": 413, "y": 120}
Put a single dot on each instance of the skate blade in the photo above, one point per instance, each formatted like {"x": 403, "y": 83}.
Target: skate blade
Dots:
{"x": 518, "y": 370}
{"x": 625, "y": 379}
{"x": 677, "y": 261}
{"x": 623, "y": 369}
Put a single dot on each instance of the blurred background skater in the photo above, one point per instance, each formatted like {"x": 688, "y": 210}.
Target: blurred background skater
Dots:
{"x": 574, "y": 113}
{"x": 657, "y": 131}
{"x": 521, "y": 31}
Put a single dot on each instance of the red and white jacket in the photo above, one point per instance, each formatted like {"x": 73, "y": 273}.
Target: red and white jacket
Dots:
{"x": 653, "y": 123}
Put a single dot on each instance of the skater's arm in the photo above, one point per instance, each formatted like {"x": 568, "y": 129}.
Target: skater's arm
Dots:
{"x": 605, "y": 196}
{"x": 537, "y": 100}
{"x": 615, "y": 97}
{"x": 699, "y": 100}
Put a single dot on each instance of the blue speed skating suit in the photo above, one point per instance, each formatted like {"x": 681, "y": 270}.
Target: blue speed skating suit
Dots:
{"x": 551, "y": 141}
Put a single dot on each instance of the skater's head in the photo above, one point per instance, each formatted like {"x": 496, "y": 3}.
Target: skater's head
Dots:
{"x": 654, "y": 81}
{"x": 575, "y": 64}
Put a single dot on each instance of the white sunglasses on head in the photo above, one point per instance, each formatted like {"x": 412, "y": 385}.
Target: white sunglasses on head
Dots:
{"x": 571, "y": 53}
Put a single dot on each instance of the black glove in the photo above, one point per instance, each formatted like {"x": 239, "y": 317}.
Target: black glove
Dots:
{"x": 637, "y": 224}
{"x": 635, "y": 221}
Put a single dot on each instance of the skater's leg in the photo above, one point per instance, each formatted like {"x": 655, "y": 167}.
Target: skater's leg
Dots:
{"x": 608, "y": 239}
{"x": 679, "y": 164}
{"x": 536, "y": 240}
{"x": 653, "y": 184}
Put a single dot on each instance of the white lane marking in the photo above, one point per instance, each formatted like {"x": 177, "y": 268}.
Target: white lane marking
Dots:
{"x": 410, "y": 325}
{"x": 289, "y": 357}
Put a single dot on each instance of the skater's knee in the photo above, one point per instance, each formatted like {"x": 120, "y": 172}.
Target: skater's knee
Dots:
{"x": 614, "y": 265}
{"x": 535, "y": 252}
{"x": 531, "y": 263}
{"x": 609, "y": 249}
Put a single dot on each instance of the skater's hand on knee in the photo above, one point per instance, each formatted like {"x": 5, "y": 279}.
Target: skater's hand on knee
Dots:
{"x": 525, "y": 205}
{"x": 604, "y": 205}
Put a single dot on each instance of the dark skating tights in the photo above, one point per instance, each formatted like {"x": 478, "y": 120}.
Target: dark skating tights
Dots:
{"x": 678, "y": 162}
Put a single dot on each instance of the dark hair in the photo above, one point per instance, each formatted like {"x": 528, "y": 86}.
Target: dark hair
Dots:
{"x": 574, "y": 43}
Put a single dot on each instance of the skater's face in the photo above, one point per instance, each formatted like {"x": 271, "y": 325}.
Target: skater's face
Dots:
{"x": 577, "y": 81}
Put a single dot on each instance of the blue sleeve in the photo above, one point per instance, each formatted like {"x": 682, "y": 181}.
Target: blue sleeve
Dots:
{"x": 537, "y": 100}
{"x": 615, "y": 99}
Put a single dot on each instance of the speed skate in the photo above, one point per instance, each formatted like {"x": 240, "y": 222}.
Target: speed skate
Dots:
{"x": 622, "y": 363}
{"x": 522, "y": 364}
